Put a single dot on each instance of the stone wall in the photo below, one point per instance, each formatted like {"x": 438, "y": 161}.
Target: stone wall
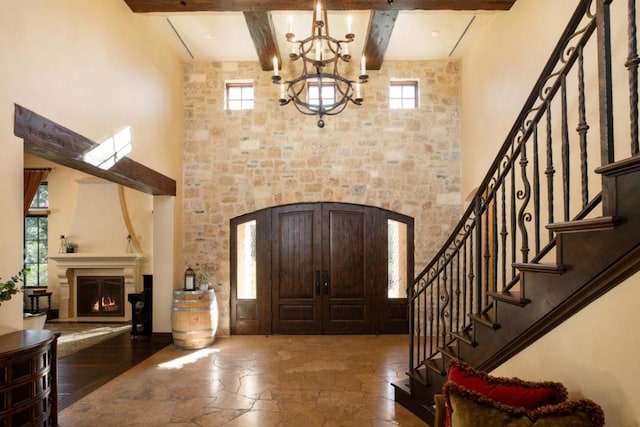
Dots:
{"x": 237, "y": 162}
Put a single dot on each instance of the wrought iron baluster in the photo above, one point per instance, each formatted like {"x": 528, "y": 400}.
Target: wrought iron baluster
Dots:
{"x": 494, "y": 243}
{"x": 536, "y": 189}
{"x": 487, "y": 253}
{"x": 512, "y": 215}
{"x": 524, "y": 195}
{"x": 444, "y": 297}
{"x": 472, "y": 291}
{"x": 465, "y": 283}
{"x": 503, "y": 232}
{"x": 438, "y": 313}
{"x": 478, "y": 254}
{"x": 565, "y": 148}
{"x": 458, "y": 291}
{"x": 549, "y": 171}
{"x": 582, "y": 130}
{"x": 429, "y": 331}
{"x": 632, "y": 65}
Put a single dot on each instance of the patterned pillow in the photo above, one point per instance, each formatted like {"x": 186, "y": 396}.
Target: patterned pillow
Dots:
{"x": 508, "y": 391}
{"x": 470, "y": 408}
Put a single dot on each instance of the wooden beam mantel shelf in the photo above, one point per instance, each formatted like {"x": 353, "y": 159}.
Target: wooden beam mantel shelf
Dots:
{"x": 49, "y": 140}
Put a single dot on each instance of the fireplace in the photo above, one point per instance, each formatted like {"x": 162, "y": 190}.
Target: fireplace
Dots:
{"x": 116, "y": 275}
{"x": 100, "y": 296}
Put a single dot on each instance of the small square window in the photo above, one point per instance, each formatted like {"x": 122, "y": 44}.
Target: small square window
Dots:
{"x": 403, "y": 94}
{"x": 239, "y": 96}
{"x": 326, "y": 90}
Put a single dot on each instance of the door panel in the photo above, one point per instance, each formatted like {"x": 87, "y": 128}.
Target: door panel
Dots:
{"x": 346, "y": 256}
{"x": 296, "y": 257}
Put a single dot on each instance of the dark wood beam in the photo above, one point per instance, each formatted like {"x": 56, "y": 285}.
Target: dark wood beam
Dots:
{"x": 260, "y": 27}
{"x": 380, "y": 28}
{"x": 48, "y": 140}
{"x": 266, "y": 6}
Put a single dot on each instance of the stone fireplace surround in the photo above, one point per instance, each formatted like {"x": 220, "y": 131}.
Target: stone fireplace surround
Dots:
{"x": 70, "y": 266}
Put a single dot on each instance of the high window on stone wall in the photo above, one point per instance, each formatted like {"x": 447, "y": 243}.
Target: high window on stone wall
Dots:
{"x": 403, "y": 94}
{"x": 239, "y": 95}
{"x": 326, "y": 91}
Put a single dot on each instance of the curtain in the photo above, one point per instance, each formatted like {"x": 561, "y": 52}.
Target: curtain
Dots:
{"x": 32, "y": 180}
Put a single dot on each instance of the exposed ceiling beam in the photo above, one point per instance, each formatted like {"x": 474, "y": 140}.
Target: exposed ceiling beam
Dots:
{"x": 266, "y": 6}
{"x": 260, "y": 27}
{"x": 380, "y": 29}
{"x": 49, "y": 140}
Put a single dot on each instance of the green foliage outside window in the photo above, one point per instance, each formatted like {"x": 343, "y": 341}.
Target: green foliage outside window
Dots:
{"x": 36, "y": 245}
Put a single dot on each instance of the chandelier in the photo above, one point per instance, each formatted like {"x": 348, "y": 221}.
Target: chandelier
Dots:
{"x": 320, "y": 89}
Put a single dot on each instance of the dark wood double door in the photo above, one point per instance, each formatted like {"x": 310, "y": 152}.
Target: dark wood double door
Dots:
{"x": 327, "y": 273}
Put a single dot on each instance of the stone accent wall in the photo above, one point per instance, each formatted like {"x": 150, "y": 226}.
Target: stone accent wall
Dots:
{"x": 237, "y": 162}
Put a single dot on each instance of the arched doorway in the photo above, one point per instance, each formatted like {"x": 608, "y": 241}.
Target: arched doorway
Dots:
{"x": 320, "y": 268}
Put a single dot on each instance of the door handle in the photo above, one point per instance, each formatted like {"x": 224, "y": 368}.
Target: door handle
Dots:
{"x": 318, "y": 282}
{"x": 325, "y": 278}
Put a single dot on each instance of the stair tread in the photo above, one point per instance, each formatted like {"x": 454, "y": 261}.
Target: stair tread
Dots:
{"x": 587, "y": 224}
{"x": 466, "y": 336}
{"x": 436, "y": 366}
{"x": 485, "y": 319}
{"x": 449, "y": 350}
{"x": 620, "y": 167}
{"x": 509, "y": 297}
{"x": 542, "y": 268}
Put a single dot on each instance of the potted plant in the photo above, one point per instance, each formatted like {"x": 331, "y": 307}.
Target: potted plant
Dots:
{"x": 202, "y": 280}
{"x": 9, "y": 288}
{"x": 70, "y": 247}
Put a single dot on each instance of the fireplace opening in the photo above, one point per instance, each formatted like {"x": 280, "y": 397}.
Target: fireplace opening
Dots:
{"x": 100, "y": 296}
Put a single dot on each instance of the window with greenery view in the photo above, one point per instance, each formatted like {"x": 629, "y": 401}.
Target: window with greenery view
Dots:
{"x": 36, "y": 246}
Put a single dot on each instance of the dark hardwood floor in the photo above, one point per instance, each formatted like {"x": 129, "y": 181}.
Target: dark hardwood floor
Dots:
{"x": 82, "y": 372}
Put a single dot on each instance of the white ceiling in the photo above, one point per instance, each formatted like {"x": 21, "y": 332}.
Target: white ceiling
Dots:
{"x": 417, "y": 35}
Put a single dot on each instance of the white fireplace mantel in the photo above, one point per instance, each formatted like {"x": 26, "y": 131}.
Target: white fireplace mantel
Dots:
{"x": 71, "y": 265}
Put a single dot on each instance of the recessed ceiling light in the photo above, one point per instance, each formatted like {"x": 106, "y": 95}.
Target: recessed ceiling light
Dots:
{"x": 435, "y": 33}
{"x": 209, "y": 36}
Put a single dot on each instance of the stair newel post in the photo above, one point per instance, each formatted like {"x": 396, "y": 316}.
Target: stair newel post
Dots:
{"x": 603, "y": 36}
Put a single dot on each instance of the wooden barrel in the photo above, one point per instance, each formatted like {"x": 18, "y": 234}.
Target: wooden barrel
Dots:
{"x": 194, "y": 319}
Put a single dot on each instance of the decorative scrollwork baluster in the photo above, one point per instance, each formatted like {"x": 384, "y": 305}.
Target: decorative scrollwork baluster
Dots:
{"x": 524, "y": 195}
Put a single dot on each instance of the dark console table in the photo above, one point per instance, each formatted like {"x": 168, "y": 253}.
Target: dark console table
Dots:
{"x": 35, "y": 298}
{"x": 29, "y": 378}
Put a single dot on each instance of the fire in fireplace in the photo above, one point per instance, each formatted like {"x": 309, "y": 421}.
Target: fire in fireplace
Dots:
{"x": 100, "y": 296}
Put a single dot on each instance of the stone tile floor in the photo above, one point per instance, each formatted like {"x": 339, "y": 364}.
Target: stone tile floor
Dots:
{"x": 322, "y": 380}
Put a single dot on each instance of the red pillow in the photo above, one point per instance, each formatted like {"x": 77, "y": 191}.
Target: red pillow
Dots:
{"x": 508, "y": 391}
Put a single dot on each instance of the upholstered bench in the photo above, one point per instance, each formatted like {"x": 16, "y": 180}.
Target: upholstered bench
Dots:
{"x": 473, "y": 398}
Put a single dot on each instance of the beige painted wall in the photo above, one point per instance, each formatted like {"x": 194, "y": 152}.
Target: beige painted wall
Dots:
{"x": 238, "y": 162}
{"x": 589, "y": 353}
{"x": 95, "y": 70}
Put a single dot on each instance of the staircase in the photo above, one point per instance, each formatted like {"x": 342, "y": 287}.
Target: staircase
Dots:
{"x": 549, "y": 229}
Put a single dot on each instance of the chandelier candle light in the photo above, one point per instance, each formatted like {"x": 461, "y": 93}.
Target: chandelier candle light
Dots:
{"x": 320, "y": 54}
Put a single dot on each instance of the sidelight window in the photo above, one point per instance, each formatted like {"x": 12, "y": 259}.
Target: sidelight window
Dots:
{"x": 397, "y": 259}
{"x": 246, "y": 260}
